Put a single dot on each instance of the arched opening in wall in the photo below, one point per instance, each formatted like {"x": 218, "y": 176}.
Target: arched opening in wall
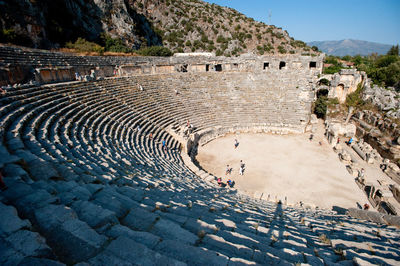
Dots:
{"x": 324, "y": 81}
{"x": 266, "y": 65}
{"x": 313, "y": 64}
{"x": 207, "y": 67}
{"x": 218, "y": 67}
{"x": 339, "y": 92}
{"x": 282, "y": 64}
{"x": 183, "y": 68}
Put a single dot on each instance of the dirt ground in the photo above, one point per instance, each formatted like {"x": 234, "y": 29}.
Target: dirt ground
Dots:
{"x": 288, "y": 166}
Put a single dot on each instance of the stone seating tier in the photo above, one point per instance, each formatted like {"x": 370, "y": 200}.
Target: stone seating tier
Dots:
{"x": 85, "y": 184}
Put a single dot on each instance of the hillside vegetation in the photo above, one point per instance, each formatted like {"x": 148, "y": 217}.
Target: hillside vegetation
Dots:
{"x": 129, "y": 25}
{"x": 194, "y": 26}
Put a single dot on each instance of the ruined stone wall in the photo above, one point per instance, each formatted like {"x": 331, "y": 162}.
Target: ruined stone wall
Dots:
{"x": 43, "y": 66}
{"x": 343, "y": 83}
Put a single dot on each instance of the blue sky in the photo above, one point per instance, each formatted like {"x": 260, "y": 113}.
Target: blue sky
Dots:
{"x": 323, "y": 20}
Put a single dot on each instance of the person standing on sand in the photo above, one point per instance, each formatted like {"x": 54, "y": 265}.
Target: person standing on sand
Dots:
{"x": 228, "y": 169}
{"x": 241, "y": 169}
{"x": 236, "y": 143}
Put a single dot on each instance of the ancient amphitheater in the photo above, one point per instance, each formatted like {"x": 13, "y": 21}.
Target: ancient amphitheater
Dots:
{"x": 85, "y": 184}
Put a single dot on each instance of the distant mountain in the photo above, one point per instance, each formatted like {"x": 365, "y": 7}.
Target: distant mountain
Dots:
{"x": 350, "y": 47}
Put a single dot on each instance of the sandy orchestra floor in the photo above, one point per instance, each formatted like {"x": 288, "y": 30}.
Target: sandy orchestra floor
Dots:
{"x": 289, "y": 166}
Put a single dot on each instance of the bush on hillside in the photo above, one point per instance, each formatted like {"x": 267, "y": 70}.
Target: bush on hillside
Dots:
{"x": 114, "y": 45}
{"x": 82, "y": 45}
{"x": 155, "y": 51}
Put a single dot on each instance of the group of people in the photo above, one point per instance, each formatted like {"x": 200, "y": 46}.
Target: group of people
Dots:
{"x": 229, "y": 169}
{"x": 230, "y": 183}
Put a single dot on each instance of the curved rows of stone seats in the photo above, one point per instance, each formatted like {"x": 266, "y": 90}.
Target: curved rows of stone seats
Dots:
{"x": 86, "y": 183}
{"x": 210, "y": 100}
{"x": 43, "y": 58}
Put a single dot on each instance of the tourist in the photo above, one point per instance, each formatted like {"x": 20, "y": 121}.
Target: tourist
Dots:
{"x": 164, "y": 145}
{"x": 230, "y": 183}
{"x": 338, "y": 141}
{"x": 361, "y": 174}
{"x": 350, "y": 141}
{"x": 236, "y": 143}
{"x": 241, "y": 169}
{"x": 219, "y": 181}
{"x": 151, "y": 135}
{"x": 366, "y": 206}
{"x": 77, "y": 76}
{"x": 228, "y": 170}
{"x": 311, "y": 137}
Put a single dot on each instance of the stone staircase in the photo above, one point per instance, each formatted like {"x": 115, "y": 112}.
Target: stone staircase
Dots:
{"x": 86, "y": 184}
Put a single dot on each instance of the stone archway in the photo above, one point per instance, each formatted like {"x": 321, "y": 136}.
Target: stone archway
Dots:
{"x": 340, "y": 93}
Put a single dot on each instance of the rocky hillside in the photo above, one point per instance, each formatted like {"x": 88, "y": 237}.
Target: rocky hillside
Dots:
{"x": 181, "y": 25}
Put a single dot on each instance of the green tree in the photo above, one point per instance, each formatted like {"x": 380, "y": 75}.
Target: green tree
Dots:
{"x": 114, "y": 44}
{"x": 394, "y": 50}
{"x": 354, "y": 99}
{"x": 320, "y": 107}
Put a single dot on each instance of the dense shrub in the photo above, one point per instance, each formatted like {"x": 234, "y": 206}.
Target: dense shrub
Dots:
{"x": 81, "y": 45}
{"x": 281, "y": 50}
{"x": 155, "y": 51}
{"x": 320, "y": 106}
{"x": 11, "y": 36}
{"x": 114, "y": 45}
{"x": 354, "y": 99}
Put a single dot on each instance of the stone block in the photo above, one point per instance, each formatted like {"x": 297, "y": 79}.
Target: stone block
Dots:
{"x": 170, "y": 230}
{"x": 41, "y": 170}
{"x": 133, "y": 193}
{"x": 10, "y": 222}
{"x": 8, "y": 255}
{"x": 94, "y": 215}
{"x": 196, "y": 225}
{"x": 52, "y": 216}
{"x": 74, "y": 241}
{"x": 145, "y": 238}
{"x": 37, "y": 199}
{"x": 130, "y": 251}
{"x": 113, "y": 201}
{"x": 190, "y": 254}
{"x": 29, "y": 244}
{"x": 15, "y": 170}
{"x": 227, "y": 248}
{"x": 140, "y": 219}
{"x": 26, "y": 155}
{"x": 17, "y": 190}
